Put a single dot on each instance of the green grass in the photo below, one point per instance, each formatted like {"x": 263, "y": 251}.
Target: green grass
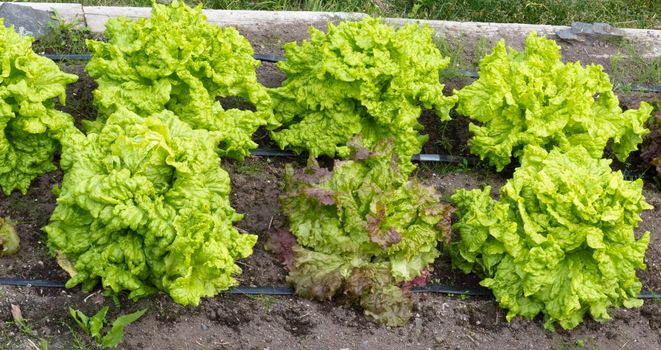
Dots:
{"x": 621, "y": 13}
{"x": 77, "y": 339}
{"x": 266, "y": 300}
{"x": 65, "y": 38}
{"x": 462, "y": 56}
{"x": 249, "y": 168}
{"x": 624, "y": 13}
{"x": 627, "y": 65}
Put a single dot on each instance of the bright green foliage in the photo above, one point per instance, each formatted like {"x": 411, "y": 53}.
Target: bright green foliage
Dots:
{"x": 362, "y": 230}
{"x": 650, "y": 150}
{"x": 9, "y": 240}
{"x": 175, "y": 60}
{"x": 94, "y": 324}
{"x": 560, "y": 241}
{"x": 29, "y": 123}
{"x": 532, "y": 98}
{"x": 144, "y": 205}
{"x": 361, "y": 78}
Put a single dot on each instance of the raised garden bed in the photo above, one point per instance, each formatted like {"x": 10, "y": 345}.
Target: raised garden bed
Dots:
{"x": 257, "y": 322}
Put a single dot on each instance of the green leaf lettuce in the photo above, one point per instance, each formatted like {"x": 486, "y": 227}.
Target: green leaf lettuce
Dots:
{"x": 559, "y": 242}
{"x": 362, "y": 78}
{"x": 176, "y": 61}
{"x": 144, "y": 205}
{"x": 532, "y": 98}
{"x": 30, "y": 126}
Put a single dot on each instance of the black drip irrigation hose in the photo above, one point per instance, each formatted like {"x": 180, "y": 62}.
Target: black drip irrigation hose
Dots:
{"x": 286, "y": 291}
{"x": 633, "y": 175}
{"x": 68, "y": 57}
{"x": 276, "y": 58}
{"x": 87, "y": 57}
{"x": 637, "y": 88}
{"x": 268, "y": 58}
{"x": 269, "y": 152}
{"x": 436, "y": 288}
{"x": 444, "y": 158}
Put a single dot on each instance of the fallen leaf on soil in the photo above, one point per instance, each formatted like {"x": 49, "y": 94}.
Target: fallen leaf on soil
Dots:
{"x": 16, "y": 314}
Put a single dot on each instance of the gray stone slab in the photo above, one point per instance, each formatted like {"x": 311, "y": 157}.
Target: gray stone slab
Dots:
{"x": 580, "y": 31}
{"x": 26, "y": 20}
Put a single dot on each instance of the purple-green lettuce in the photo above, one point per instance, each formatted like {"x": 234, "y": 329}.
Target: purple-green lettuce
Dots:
{"x": 361, "y": 230}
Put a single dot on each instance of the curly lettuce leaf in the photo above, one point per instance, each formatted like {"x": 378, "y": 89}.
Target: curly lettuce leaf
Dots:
{"x": 176, "y": 61}
{"x": 559, "y": 242}
{"x": 532, "y": 98}
{"x": 651, "y": 148}
{"x": 144, "y": 206}
{"x": 9, "y": 240}
{"x": 30, "y": 126}
{"x": 362, "y": 230}
{"x": 362, "y": 78}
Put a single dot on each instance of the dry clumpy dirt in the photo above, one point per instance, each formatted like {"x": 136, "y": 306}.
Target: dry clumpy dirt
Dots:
{"x": 268, "y": 322}
{"x": 259, "y": 322}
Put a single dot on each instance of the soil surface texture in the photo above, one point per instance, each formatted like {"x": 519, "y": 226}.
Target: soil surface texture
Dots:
{"x": 283, "y": 322}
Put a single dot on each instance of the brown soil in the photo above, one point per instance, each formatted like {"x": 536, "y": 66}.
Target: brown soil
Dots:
{"x": 267, "y": 322}
{"x": 258, "y": 322}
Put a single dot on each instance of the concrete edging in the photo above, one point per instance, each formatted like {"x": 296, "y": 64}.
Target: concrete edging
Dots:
{"x": 95, "y": 17}
{"x": 69, "y": 12}
{"x": 650, "y": 39}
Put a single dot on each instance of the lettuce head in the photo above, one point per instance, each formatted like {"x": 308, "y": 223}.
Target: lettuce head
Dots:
{"x": 361, "y": 230}
{"x": 361, "y": 78}
{"x": 177, "y": 61}
{"x": 560, "y": 241}
{"x": 144, "y": 206}
{"x": 30, "y": 126}
{"x": 532, "y": 98}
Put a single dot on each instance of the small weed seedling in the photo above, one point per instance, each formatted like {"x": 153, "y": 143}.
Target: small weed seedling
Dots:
{"x": 23, "y": 326}
{"x": 64, "y": 38}
{"x": 93, "y": 325}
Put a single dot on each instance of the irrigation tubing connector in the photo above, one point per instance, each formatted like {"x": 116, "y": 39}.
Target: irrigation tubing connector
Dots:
{"x": 277, "y": 58}
{"x": 287, "y": 291}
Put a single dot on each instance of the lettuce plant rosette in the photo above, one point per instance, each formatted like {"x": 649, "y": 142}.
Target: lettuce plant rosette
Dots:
{"x": 363, "y": 231}
{"x": 361, "y": 78}
{"x": 30, "y": 126}
{"x": 177, "y": 61}
{"x": 9, "y": 240}
{"x": 532, "y": 98}
{"x": 650, "y": 150}
{"x": 560, "y": 241}
{"x": 144, "y": 206}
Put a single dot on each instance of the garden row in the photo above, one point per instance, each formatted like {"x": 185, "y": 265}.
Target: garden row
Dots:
{"x": 145, "y": 206}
